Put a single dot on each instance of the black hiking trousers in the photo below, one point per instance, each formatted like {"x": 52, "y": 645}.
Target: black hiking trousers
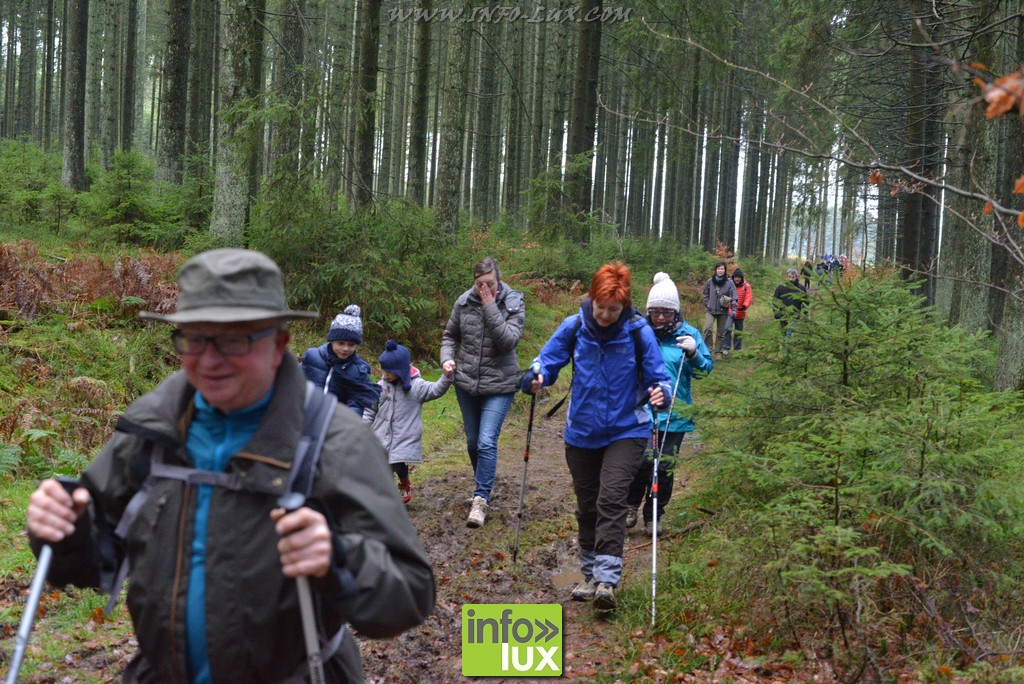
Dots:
{"x": 640, "y": 489}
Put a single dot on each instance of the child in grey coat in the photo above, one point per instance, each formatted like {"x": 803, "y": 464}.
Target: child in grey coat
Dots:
{"x": 397, "y": 415}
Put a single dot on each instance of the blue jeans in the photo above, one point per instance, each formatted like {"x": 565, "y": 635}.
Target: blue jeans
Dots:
{"x": 482, "y": 417}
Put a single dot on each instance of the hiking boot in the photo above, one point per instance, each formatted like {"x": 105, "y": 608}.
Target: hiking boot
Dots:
{"x": 631, "y": 517}
{"x": 648, "y": 526}
{"x": 405, "y": 487}
{"x": 478, "y": 513}
{"x": 584, "y": 591}
{"x": 604, "y": 597}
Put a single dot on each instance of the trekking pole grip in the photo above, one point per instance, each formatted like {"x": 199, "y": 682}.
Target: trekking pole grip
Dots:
{"x": 292, "y": 501}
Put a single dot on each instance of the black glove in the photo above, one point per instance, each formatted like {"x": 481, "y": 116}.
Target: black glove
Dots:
{"x": 529, "y": 375}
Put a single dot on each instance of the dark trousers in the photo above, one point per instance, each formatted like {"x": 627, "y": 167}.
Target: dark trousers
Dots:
{"x": 401, "y": 470}
{"x": 640, "y": 489}
{"x": 601, "y": 479}
{"x": 734, "y": 335}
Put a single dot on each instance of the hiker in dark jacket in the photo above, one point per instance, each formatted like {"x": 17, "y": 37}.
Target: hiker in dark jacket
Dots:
{"x": 479, "y": 345}
{"x": 719, "y": 295}
{"x": 608, "y": 424}
{"x": 788, "y": 301}
{"x": 212, "y": 558}
{"x": 336, "y": 366}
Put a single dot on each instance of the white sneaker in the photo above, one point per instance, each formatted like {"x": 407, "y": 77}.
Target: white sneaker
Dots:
{"x": 478, "y": 513}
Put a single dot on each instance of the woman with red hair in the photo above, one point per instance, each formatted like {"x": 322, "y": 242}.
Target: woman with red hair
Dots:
{"x": 617, "y": 369}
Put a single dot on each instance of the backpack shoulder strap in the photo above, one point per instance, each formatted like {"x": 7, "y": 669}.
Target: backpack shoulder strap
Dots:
{"x": 318, "y": 411}
{"x": 572, "y": 352}
{"x": 638, "y": 352}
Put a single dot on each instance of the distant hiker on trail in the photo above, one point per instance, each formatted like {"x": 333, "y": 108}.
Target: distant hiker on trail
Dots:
{"x": 479, "y": 345}
{"x": 337, "y": 366}
{"x": 719, "y": 299}
{"x": 686, "y": 357}
{"x": 203, "y": 459}
{"x": 397, "y": 417}
{"x": 788, "y": 300}
{"x": 807, "y": 272}
{"x": 617, "y": 370}
{"x": 744, "y": 298}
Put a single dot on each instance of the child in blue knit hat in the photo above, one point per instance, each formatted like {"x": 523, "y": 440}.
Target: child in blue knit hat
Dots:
{"x": 397, "y": 415}
{"x": 336, "y": 367}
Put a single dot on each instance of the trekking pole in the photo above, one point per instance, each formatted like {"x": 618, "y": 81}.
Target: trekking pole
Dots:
{"x": 535, "y": 369}
{"x": 290, "y": 502}
{"x": 28, "y": 617}
{"x": 654, "y": 491}
{"x": 35, "y": 592}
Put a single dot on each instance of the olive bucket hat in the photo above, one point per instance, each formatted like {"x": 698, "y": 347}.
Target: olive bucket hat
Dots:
{"x": 229, "y": 286}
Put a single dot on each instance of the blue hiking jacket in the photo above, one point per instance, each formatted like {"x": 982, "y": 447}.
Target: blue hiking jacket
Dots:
{"x": 349, "y": 381}
{"x": 605, "y": 403}
{"x": 685, "y": 369}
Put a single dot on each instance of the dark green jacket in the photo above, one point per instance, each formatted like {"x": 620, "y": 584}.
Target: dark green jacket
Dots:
{"x": 254, "y": 628}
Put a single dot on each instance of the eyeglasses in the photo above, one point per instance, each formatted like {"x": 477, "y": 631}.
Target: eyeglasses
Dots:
{"x": 660, "y": 313}
{"x": 226, "y": 345}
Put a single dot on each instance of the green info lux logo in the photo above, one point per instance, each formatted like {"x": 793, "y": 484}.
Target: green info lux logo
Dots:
{"x": 512, "y": 640}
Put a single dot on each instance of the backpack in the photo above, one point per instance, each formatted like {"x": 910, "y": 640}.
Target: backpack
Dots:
{"x": 638, "y": 350}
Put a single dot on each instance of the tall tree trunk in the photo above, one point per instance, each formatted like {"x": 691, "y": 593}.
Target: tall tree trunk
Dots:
{"x": 517, "y": 143}
{"x": 732, "y": 124}
{"x": 583, "y": 116}
{"x": 111, "y": 79}
{"x": 388, "y": 101}
{"x": 73, "y": 171}
{"x": 709, "y": 237}
{"x": 128, "y": 86}
{"x": 966, "y": 255}
{"x": 94, "y": 78}
{"x": 236, "y": 143}
{"x": 27, "y": 70}
{"x": 173, "y": 99}
{"x": 449, "y": 162}
{"x": 288, "y": 84}
{"x": 46, "y": 94}
{"x": 366, "y": 110}
{"x": 1008, "y": 272}
{"x": 538, "y": 148}
{"x": 418, "y": 120}
{"x": 200, "y": 84}
{"x": 486, "y": 133}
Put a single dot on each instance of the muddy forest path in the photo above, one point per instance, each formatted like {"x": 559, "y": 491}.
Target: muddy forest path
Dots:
{"x": 475, "y": 566}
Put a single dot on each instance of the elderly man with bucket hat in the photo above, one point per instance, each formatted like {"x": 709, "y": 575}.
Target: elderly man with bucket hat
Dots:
{"x": 186, "y": 491}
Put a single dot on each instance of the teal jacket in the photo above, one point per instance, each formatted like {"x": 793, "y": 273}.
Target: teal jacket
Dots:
{"x": 685, "y": 370}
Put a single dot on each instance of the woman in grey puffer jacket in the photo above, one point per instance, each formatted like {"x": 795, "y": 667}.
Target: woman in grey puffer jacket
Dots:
{"x": 479, "y": 345}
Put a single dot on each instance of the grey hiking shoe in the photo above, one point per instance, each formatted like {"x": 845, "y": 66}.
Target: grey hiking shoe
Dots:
{"x": 478, "y": 513}
{"x": 631, "y": 517}
{"x": 604, "y": 597}
{"x": 584, "y": 591}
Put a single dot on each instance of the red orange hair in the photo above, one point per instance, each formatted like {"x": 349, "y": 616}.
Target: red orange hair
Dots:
{"x": 611, "y": 283}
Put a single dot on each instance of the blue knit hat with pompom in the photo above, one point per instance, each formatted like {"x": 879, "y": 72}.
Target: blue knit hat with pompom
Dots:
{"x": 347, "y": 326}
{"x": 395, "y": 359}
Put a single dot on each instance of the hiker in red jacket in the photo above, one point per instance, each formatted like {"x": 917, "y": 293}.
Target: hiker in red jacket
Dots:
{"x": 744, "y": 298}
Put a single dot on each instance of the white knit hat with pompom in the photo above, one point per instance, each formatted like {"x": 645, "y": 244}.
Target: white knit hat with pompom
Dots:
{"x": 664, "y": 294}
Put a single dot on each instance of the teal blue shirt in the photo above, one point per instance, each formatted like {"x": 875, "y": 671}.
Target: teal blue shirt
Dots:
{"x": 213, "y": 438}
